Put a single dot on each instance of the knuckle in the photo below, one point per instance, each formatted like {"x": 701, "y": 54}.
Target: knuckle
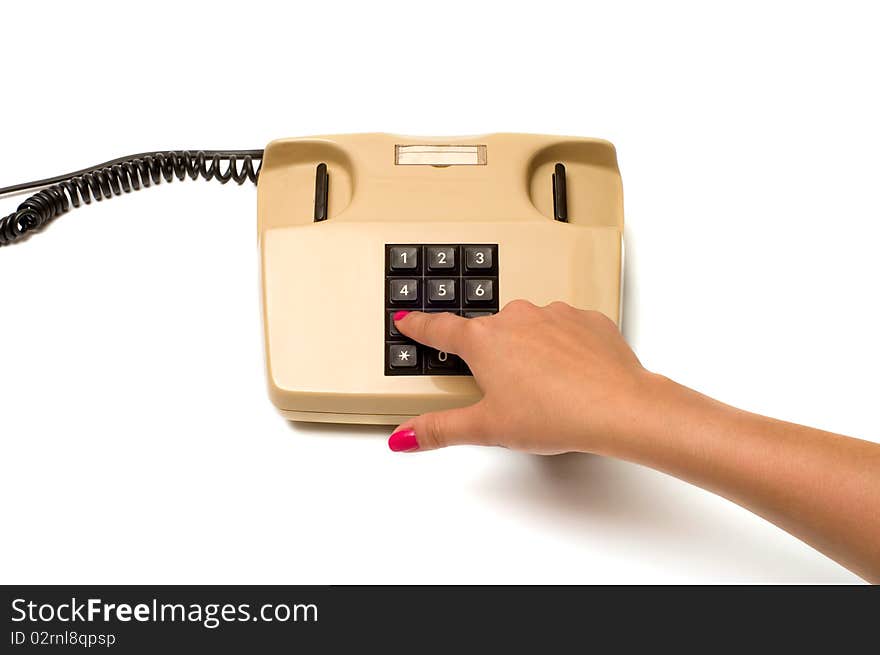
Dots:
{"x": 432, "y": 432}
{"x": 474, "y": 327}
{"x": 518, "y": 306}
{"x": 598, "y": 318}
{"x": 417, "y": 322}
{"x": 431, "y": 327}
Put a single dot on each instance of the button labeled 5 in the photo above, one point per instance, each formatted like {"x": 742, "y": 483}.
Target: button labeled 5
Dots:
{"x": 441, "y": 290}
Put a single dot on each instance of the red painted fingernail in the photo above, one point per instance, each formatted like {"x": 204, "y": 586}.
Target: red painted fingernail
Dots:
{"x": 399, "y": 315}
{"x": 403, "y": 440}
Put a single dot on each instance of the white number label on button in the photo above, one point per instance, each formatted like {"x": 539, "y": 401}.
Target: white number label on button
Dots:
{"x": 404, "y": 290}
{"x": 441, "y": 289}
{"x": 403, "y": 256}
{"x": 441, "y": 257}
{"x": 480, "y": 257}
{"x": 442, "y": 356}
{"x": 479, "y": 291}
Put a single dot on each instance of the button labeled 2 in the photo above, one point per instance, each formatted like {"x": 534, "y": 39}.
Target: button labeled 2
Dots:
{"x": 441, "y": 258}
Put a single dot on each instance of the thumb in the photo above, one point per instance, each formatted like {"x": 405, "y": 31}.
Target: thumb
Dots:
{"x": 440, "y": 429}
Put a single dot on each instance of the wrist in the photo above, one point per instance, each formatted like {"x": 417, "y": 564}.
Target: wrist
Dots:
{"x": 653, "y": 412}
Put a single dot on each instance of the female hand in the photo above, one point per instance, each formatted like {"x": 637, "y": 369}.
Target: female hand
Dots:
{"x": 554, "y": 379}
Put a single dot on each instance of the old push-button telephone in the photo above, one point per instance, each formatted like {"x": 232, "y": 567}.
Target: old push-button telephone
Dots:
{"x": 360, "y": 226}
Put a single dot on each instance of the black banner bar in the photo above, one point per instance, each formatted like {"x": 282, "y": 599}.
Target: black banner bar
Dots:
{"x": 147, "y": 619}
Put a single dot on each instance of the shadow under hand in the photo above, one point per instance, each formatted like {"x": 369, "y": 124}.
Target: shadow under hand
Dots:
{"x": 651, "y": 516}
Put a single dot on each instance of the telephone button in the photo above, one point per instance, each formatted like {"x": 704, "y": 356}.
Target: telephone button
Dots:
{"x": 443, "y": 361}
{"x": 403, "y": 356}
{"x": 440, "y": 258}
{"x": 478, "y": 258}
{"x": 403, "y": 258}
{"x": 404, "y": 291}
{"x": 479, "y": 291}
{"x": 441, "y": 291}
{"x": 392, "y": 326}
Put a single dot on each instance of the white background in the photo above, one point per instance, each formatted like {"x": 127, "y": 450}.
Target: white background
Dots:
{"x": 137, "y": 442}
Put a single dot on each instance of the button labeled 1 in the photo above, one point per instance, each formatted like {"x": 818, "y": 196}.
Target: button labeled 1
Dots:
{"x": 403, "y": 258}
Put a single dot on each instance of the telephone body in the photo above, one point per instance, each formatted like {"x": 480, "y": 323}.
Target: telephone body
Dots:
{"x": 355, "y": 227}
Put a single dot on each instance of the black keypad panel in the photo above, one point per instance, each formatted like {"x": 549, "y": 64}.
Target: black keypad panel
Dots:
{"x": 458, "y": 278}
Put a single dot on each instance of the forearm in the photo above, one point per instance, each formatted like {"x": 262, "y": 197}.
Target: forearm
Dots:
{"x": 556, "y": 379}
{"x": 821, "y": 487}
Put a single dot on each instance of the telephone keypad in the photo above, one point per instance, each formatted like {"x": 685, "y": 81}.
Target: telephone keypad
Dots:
{"x": 460, "y": 279}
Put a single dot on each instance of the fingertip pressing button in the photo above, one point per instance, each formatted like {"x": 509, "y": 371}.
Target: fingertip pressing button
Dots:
{"x": 392, "y": 326}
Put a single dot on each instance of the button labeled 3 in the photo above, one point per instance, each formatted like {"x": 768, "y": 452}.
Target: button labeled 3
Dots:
{"x": 478, "y": 258}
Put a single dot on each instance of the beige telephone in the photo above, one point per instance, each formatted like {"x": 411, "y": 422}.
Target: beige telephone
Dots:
{"x": 353, "y": 228}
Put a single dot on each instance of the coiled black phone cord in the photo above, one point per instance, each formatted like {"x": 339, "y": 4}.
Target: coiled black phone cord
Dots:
{"x": 118, "y": 176}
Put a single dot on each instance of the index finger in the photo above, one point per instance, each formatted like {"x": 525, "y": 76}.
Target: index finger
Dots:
{"x": 442, "y": 331}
